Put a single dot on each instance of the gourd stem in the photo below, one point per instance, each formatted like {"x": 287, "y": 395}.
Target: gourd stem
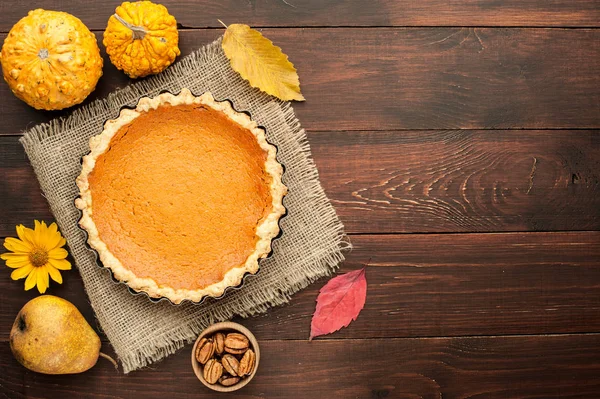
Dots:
{"x": 138, "y": 31}
{"x": 110, "y": 359}
{"x": 42, "y": 54}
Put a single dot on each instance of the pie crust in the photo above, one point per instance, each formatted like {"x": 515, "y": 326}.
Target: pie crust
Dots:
{"x": 266, "y": 229}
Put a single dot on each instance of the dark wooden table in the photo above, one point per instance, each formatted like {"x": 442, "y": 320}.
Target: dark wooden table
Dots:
{"x": 459, "y": 143}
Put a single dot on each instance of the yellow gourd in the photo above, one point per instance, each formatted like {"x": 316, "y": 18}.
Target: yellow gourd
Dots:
{"x": 141, "y": 38}
{"x": 51, "y": 60}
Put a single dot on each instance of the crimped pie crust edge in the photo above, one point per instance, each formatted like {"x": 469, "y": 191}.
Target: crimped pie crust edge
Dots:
{"x": 266, "y": 231}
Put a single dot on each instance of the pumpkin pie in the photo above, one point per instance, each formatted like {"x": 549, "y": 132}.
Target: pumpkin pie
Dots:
{"x": 181, "y": 196}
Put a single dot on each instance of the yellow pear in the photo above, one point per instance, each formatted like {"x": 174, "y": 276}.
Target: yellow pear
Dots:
{"x": 51, "y": 336}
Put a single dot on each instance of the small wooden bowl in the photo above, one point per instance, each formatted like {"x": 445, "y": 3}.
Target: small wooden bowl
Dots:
{"x": 225, "y": 327}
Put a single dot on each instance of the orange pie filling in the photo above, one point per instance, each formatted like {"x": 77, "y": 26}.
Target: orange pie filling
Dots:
{"x": 178, "y": 195}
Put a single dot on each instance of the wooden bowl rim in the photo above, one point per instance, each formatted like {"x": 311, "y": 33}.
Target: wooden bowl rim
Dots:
{"x": 223, "y": 326}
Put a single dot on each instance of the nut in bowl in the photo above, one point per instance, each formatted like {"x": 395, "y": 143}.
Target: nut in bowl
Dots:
{"x": 225, "y": 356}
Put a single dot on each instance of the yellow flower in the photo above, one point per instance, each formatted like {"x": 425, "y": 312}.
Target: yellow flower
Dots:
{"x": 36, "y": 254}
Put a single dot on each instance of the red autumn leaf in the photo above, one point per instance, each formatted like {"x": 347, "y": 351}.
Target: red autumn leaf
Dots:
{"x": 339, "y": 302}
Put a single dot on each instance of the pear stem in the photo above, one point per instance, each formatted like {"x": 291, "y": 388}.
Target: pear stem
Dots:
{"x": 110, "y": 359}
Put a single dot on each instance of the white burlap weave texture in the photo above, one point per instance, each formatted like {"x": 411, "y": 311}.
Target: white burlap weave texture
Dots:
{"x": 311, "y": 246}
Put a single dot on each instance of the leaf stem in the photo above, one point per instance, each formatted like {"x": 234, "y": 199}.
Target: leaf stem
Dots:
{"x": 222, "y": 23}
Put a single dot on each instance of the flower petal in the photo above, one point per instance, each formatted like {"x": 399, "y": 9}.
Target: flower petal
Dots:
{"x": 14, "y": 262}
{"x": 57, "y": 253}
{"x": 60, "y": 264}
{"x": 45, "y": 233}
{"x": 53, "y": 228}
{"x": 54, "y": 237}
{"x": 16, "y": 245}
{"x": 25, "y": 234}
{"x": 31, "y": 280}
{"x": 9, "y": 255}
{"x": 21, "y": 272}
{"x": 43, "y": 282}
{"x": 37, "y": 232}
{"x": 53, "y": 240}
{"x": 54, "y": 273}
{"x": 43, "y": 236}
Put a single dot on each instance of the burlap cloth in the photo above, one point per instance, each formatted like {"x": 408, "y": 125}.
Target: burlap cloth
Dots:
{"x": 141, "y": 331}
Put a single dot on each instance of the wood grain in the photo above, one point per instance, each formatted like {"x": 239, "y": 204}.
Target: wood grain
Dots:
{"x": 462, "y": 284}
{"x": 424, "y": 181}
{"x": 416, "y": 181}
{"x": 417, "y": 78}
{"x": 204, "y": 13}
{"x": 424, "y": 285}
{"x": 495, "y": 367}
{"x": 21, "y": 198}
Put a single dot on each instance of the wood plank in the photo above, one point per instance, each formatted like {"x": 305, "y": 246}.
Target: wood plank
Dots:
{"x": 462, "y": 284}
{"x": 417, "y": 78}
{"x": 424, "y": 181}
{"x": 416, "y": 181}
{"x": 21, "y": 198}
{"x": 495, "y": 367}
{"x": 204, "y": 13}
{"x": 423, "y": 285}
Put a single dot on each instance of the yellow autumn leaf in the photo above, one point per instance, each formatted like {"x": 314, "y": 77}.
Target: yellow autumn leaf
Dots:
{"x": 261, "y": 63}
